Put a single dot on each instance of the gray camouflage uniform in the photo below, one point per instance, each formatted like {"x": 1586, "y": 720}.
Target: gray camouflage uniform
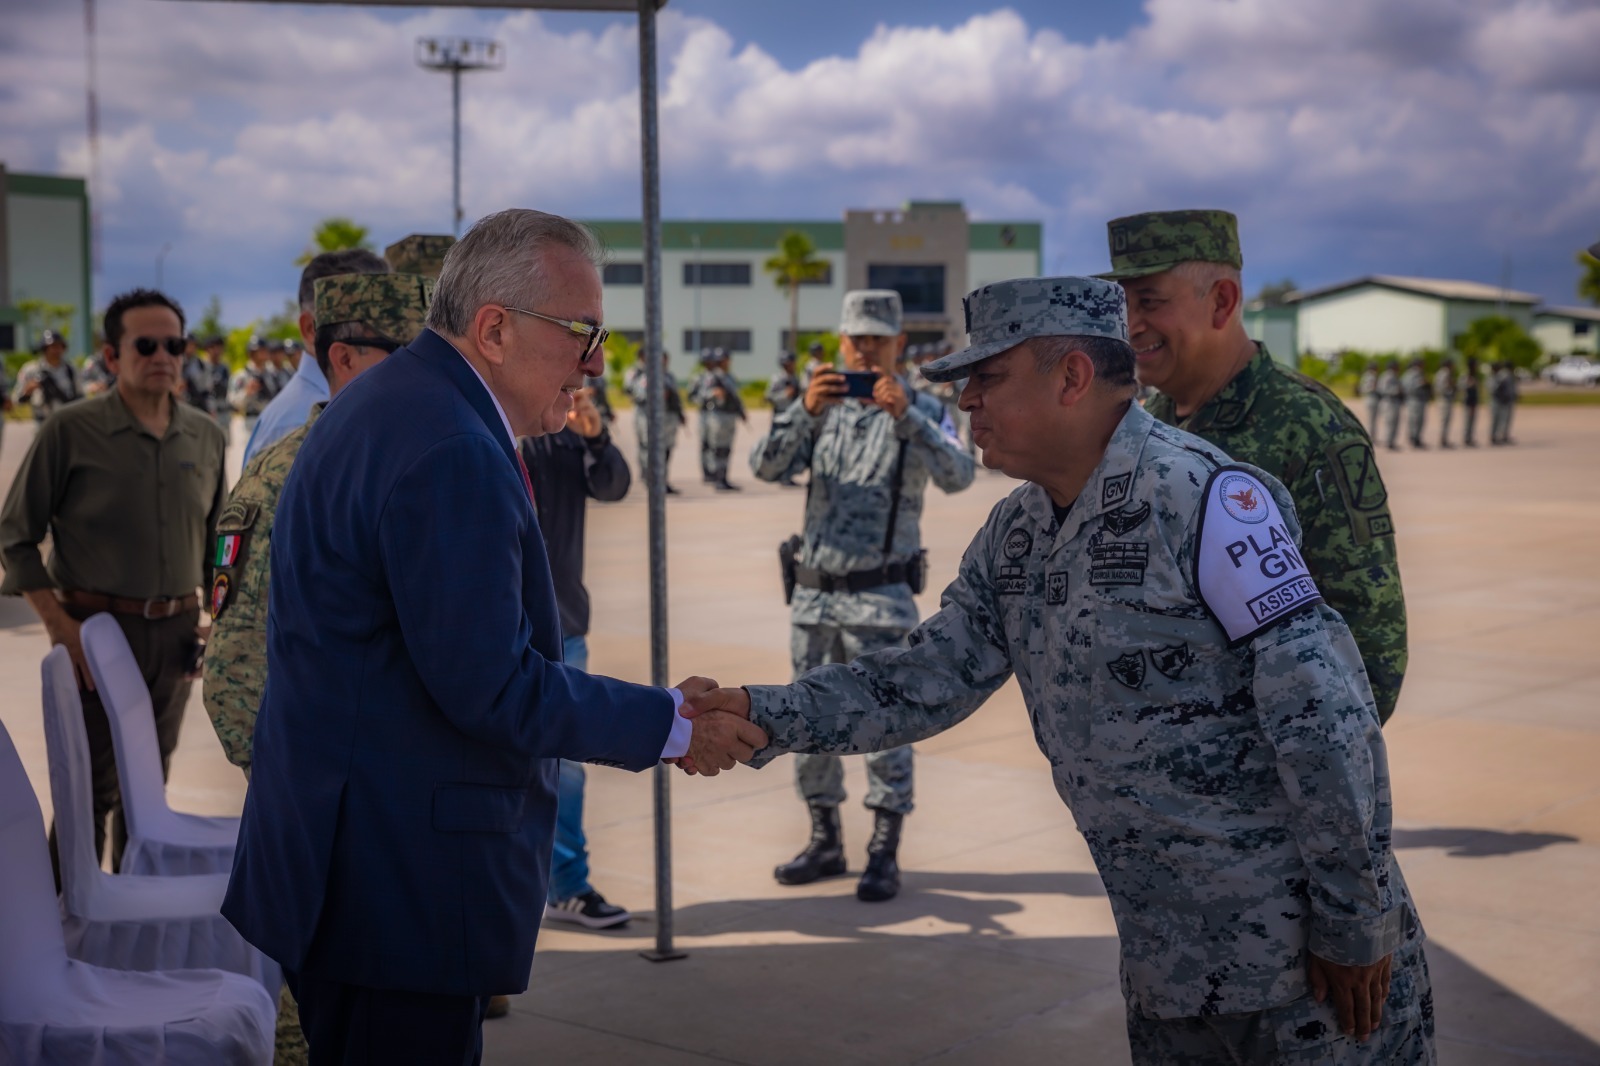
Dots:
{"x": 719, "y": 420}
{"x": 1235, "y": 796}
{"x": 850, "y": 450}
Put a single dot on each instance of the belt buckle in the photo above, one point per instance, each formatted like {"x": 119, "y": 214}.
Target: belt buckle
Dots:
{"x": 168, "y": 602}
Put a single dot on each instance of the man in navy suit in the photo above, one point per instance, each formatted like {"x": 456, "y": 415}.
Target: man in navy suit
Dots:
{"x": 396, "y": 836}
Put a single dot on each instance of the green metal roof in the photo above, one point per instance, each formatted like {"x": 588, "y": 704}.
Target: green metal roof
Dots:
{"x": 46, "y": 185}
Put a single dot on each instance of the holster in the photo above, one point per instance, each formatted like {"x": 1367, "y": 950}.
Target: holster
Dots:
{"x": 786, "y": 564}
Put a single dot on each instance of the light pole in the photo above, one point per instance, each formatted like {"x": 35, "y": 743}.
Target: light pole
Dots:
{"x": 456, "y": 54}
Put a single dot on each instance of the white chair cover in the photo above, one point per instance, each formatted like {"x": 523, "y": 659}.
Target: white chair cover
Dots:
{"x": 127, "y": 921}
{"x": 56, "y": 1010}
{"x": 161, "y": 841}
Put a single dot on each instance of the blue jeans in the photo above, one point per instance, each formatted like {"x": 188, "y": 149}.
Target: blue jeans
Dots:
{"x": 569, "y": 863}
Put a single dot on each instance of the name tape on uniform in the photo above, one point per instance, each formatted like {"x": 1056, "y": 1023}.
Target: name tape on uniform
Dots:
{"x": 1249, "y": 570}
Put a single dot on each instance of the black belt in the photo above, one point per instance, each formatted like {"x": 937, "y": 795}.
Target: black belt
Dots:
{"x": 855, "y": 581}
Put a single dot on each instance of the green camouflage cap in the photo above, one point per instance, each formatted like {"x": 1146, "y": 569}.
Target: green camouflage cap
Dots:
{"x": 393, "y": 306}
{"x": 1003, "y": 315}
{"x": 420, "y": 253}
{"x": 1159, "y": 240}
{"x": 870, "y": 312}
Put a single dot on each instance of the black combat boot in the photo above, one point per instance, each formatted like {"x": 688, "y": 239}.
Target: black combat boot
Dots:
{"x": 823, "y": 855}
{"x": 881, "y": 880}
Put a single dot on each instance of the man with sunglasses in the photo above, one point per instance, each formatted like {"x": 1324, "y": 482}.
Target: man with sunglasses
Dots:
{"x": 397, "y": 832}
{"x": 871, "y": 458}
{"x": 128, "y": 485}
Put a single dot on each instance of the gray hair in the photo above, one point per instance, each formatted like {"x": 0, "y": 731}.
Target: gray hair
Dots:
{"x": 501, "y": 261}
{"x": 1112, "y": 359}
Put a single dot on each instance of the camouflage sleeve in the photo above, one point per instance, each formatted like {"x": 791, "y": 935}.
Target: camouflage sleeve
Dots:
{"x": 235, "y": 664}
{"x": 1350, "y": 547}
{"x": 948, "y": 463}
{"x": 1313, "y": 706}
{"x": 950, "y": 665}
{"x": 787, "y": 445}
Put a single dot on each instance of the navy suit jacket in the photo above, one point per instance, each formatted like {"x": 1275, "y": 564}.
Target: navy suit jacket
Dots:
{"x": 398, "y": 825}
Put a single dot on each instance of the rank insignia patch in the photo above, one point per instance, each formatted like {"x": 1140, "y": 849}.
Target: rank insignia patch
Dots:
{"x": 221, "y": 587}
{"x": 1128, "y": 669}
{"x": 1172, "y": 661}
{"x": 1113, "y": 490}
{"x": 1121, "y": 523}
{"x": 1055, "y": 588}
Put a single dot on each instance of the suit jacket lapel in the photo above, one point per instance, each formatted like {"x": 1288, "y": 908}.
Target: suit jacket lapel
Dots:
{"x": 440, "y": 354}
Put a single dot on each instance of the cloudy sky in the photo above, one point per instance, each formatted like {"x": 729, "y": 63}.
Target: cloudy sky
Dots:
{"x": 1431, "y": 137}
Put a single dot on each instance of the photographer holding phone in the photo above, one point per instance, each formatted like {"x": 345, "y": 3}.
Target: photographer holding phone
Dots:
{"x": 872, "y": 445}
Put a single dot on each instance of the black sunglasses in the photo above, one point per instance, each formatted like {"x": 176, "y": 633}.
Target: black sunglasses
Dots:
{"x": 148, "y": 345}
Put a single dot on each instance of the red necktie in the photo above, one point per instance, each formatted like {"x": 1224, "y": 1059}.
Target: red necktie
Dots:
{"x": 526, "y": 480}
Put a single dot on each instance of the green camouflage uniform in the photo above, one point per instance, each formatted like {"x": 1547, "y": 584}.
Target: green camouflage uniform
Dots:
{"x": 1214, "y": 737}
{"x": 420, "y": 253}
{"x": 1301, "y": 434}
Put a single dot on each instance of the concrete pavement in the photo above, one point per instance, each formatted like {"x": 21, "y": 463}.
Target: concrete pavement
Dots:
{"x": 1001, "y": 948}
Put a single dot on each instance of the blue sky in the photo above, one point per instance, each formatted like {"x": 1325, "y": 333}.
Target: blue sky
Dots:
{"x": 1431, "y": 137}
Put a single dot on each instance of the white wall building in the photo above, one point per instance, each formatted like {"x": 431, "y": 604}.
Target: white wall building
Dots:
{"x": 1567, "y": 330}
{"x": 1386, "y": 313}
{"x": 929, "y": 251}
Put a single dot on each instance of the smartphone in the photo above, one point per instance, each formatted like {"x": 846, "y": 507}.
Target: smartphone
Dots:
{"x": 859, "y": 383}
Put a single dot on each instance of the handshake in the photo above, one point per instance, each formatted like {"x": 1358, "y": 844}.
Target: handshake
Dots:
{"x": 723, "y": 734}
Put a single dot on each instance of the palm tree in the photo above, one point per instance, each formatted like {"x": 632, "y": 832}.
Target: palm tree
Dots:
{"x": 795, "y": 264}
{"x": 1589, "y": 283}
{"x": 334, "y": 235}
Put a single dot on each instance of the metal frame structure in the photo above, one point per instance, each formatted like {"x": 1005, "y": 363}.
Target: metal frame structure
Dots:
{"x": 655, "y": 381}
{"x": 455, "y": 55}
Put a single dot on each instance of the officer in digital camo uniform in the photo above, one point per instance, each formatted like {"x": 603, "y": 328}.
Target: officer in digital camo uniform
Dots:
{"x": 854, "y": 565}
{"x": 1181, "y": 273}
{"x": 360, "y": 318}
{"x": 721, "y": 411}
{"x": 1206, "y": 716}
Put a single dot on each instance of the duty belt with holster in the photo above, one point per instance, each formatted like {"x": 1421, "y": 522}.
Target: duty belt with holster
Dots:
{"x": 913, "y": 572}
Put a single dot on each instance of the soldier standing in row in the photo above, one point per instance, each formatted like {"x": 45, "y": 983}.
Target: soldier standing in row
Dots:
{"x": 1181, "y": 273}
{"x": 359, "y": 319}
{"x": 1503, "y": 402}
{"x": 860, "y": 557}
{"x": 1414, "y": 384}
{"x": 49, "y": 382}
{"x": 98, "y": 377}
{"x": 638, "y": 386}
{"x": 1471, "y": 396}
{"x": 1368, "y": 389}
{"x": 253, "y": 386}
{"x": 721, "y": 411}
{"x": 1444, "y": 387}
{"x": 784, "y": 388}
{"x": 1390, "y": 395}
{"x": 1206, "y": 717}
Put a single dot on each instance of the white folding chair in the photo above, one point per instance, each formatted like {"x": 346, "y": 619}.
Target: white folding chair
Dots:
{"x": 161, "y": 841}
{"x": 54, "y": 1009}
{"x": 127, "y": 921}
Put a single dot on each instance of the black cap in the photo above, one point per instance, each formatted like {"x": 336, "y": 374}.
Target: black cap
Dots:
{"x": 47, "y": 338}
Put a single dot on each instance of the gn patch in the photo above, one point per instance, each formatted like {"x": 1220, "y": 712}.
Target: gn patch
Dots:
{"x": 1362, "y": 489}
{"x": 1248, "y": 569}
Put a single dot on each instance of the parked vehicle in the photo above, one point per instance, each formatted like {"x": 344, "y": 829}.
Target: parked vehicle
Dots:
{"x": 1573, "y": 371}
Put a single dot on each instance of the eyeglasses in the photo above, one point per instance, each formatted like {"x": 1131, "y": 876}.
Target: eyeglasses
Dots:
{"x": 148, "y": 345}
{"x": 597, "y": 334}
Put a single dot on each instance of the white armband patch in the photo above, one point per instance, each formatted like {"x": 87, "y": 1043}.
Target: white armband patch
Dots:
{"x": 1248, "y": 569}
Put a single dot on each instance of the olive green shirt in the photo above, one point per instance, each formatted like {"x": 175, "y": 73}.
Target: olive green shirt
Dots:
{"x": 1299, "y": 432}
{"x": 128, "y": 514}
{"x": 236, "y": 655}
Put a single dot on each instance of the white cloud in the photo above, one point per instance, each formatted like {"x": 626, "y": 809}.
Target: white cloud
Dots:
{"x": 1351, "y": 135}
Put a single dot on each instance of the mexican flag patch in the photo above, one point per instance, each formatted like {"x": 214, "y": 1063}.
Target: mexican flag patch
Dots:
{"x": 228, "y": 545}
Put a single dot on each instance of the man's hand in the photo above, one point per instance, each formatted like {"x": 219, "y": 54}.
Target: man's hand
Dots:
{"x": 67, "y": 631}
{"x": 1358, "y": 992}
{"x": 734, "y": 701}
{"x": 826, "y": 389}
{"x": 889, "y": 395}
{"x": 718, "y": 742}
{"x": 584, "y": 418}
{"x": 691, "y": 687}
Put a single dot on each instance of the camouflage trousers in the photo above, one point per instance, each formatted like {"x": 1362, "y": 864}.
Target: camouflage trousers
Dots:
{"x": 1499, "y": 422}
{"x": 641, "y": 426}
{"x": 717, "y": 429}
{"x": 1391, "y": 422}
{"x": 1300, "y": 1033}
{"x": 1446, "y": 414}
{"x": 1416, "y": 420}
{"x": 820, "y": 778}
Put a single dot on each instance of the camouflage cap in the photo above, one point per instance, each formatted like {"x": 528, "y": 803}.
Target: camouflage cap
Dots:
{"x": 870, "y": 312}
{"x": 1159, "y": 240}
{"x": 1003, "y": 315}
{"x": 420, "y": 253}
{"x": 394, "y": 306}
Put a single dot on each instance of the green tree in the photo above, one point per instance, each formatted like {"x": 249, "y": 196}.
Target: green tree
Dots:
{"x": 621, "y": 353}
{"x": 1589, "y": 282}
{"x": 334, "y": 235}
{"x": 795, "y": 264}
{"x": 283, "y": 326}
{"x": 1273, "y": 295}
{"x": 42, "y": 315}
{"x": 1495, "y": 339}
{"x": 210, "y": 324}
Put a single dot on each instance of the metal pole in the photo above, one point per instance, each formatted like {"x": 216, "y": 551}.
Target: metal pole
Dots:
{"x": 455, "y": 144}
{"x": 655, "y": 413}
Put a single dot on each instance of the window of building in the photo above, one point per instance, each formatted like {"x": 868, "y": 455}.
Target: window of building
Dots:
{"x": 921, "y": 288}
{"x": 716, "y": 274}
{"x": 1581, "y": 329}
{"x": 623, "y": 274}
{"x": 735, "y": 340}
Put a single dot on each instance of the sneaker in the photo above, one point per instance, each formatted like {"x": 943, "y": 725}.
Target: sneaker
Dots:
{"x": 589, "y": 910}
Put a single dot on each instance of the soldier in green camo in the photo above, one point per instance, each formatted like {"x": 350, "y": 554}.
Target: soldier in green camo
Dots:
{"x": 1205, "y": 715}
{"x": 360, "y": 319}
{"x": 1180, "y": 270}
{"x": 420, "y": 253}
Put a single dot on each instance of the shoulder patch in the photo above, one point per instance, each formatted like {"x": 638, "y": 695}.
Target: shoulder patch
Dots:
{"x": 1248, "y": 569}
{"x": 238, "y": 516}
{"x": 1361, "y": 488}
